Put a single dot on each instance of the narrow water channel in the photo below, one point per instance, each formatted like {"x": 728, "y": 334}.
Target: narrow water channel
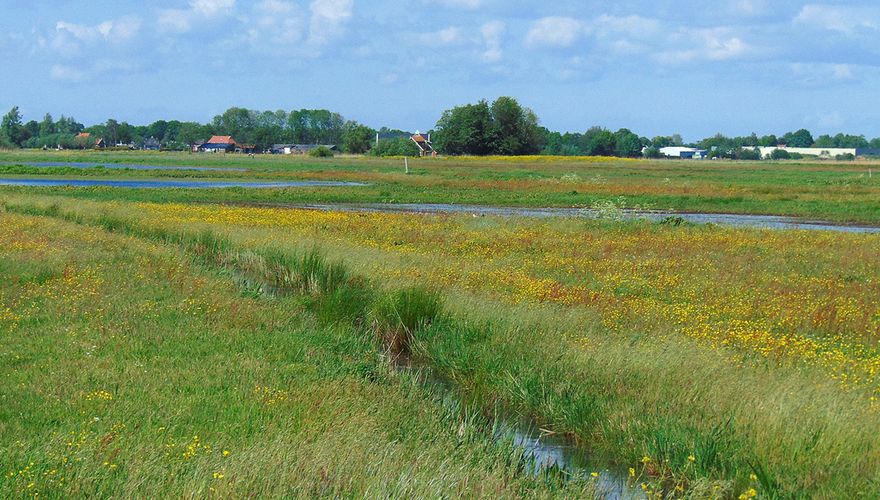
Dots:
{"x": 737, "y": 220}
{"x": 156, "y": 184}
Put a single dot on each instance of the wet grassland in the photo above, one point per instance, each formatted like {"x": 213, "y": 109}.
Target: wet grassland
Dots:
{"x": 847, "y": 192}
{"x": 143, "y": 340}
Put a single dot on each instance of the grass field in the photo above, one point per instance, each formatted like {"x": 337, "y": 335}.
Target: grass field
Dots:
{"x": 706, "y": 361}
{"x": 131, "y": 370}
{"x": 837, "y": 191}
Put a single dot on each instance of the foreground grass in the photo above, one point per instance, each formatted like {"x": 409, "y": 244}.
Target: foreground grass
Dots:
{"x": 843, "y": 192}
{"x": 130, "y": 371}
{"x": 618, "y": 335}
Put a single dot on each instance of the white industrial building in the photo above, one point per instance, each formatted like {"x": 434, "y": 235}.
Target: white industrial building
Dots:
{"x": 682, "y": 152}
{"x": 819, "y": 152}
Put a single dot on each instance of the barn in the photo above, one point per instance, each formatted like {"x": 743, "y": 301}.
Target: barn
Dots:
{"x": 219, "y": 144}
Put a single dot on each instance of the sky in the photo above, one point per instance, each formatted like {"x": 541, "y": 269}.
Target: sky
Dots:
{"x": 655, "y": 66}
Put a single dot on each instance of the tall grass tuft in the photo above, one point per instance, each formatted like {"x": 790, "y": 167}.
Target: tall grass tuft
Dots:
{"x": 308, "y": 273}
{"x": 398, "y": 315}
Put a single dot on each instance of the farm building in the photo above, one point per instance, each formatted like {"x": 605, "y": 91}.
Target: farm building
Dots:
{"x": 424, "y": 144}
{"x": 298, "y": 149}
{"x": 219, "y": 144}
{"x": 820, "y": 152}
{"x": 151, "y": 144}
{"x": 684, "y": 153}
{"x": 247, "y": 149}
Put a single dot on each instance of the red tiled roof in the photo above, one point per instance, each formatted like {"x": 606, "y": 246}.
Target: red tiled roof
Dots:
{"x": 83, "y": 135}
{"x": 419, "y": 138}
{"x": 221, "y": 139}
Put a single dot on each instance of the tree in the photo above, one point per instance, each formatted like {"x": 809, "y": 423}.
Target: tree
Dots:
{"x": 780, "y": 154}
{"x": 191, "y": 132}
{"x": 652, "y": 152}
{"x": 11, "y": 128}
{"x": 515, "y": 130}
{"x": 598, "y": 141}
{"x": 357, "y": 138}
{"x": 769, "y": 141}
{"x": 748, "y": 154}
{"x": 504, "y": 128}
{"x": 47, "y": 126}
{"x": 465, "y": 130}
{"x": 800, "y": 139}
{"x": 395, "y": 146}
{"x": 627, "y": 144}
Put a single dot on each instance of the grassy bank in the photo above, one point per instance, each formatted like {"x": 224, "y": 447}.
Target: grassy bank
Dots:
{"x": 136, "y": 368}
{"x": 845, "y": 192}
{"x": 636, "y": 340}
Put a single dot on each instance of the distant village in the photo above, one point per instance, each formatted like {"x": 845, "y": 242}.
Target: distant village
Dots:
{"x": 227, "y": 144}
{"x": 768, "y": 152}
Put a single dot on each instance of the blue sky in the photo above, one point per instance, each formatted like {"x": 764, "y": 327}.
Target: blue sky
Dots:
{"x": 657, "y": 67}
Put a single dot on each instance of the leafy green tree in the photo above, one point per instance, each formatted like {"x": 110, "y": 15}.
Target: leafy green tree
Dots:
{"x": 192, "y": 132}
{"x": 780, "y": 154}
{"x": 627, "y": 144}
{"x": 515, "y": 129}
{"x": 465, "y": 130}
{"x": 357, "y": 138}
{"x": 800, "y": 139}
{"x": 598, "y": 141}
{"x": 395, "y": 146}
{"x": 652, "y": 152}
{"x": 47, "y": 126}
{"x": 769, "y": 141}
{"x": 11, "y": 128}
{"x": 504, "y": 128}
{"x": 314, "y": 126}
{"x": 321, "y": 152}
{"x": 157, "y": 129}
{"x": 752, "y": 154}
{"x": 68, "y": 126}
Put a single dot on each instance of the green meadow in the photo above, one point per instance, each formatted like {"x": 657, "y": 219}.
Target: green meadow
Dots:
{"x": 837, "y": 191}
{"x": 200, "y": 343}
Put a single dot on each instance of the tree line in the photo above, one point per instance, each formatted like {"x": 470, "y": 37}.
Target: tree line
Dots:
{"x": 502, "y": 127}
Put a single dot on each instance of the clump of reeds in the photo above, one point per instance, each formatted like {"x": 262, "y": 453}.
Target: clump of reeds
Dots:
{"x": 398, "y": 315}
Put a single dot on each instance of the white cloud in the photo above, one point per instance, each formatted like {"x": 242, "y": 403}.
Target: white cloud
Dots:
{"x": 709, "y": 44}
{"x": 328, "y": 19}
{"x": 748, "y": 8}
{"x": 71, "y": 39}
{"x": 606, "y": 26}
{"x": 121, "y": 29}
{"x": 818, "y": 74}
{"x": 491, "y": 33}
{"x": 182, "y": 20}
{"x": 467, "y": 4}
{"x": 554, "y": 32}
{"x": 447, "y": 36}
{"x": 279, "y": 22}
{"x": 89, "y": 70}
{"x": 212, "y": 8}
{"x": 847, "y": 20}
{"x": 175, "y": 20}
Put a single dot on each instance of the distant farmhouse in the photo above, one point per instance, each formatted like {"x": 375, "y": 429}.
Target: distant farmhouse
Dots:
{"x": 298, "y": 149}
{"x": 426, "y": 148}
{"x": 766, "y": 151}
{"x": 219, "y": 144}
{"x": 151, "y": 144}
{"x": 684, "y": 153}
